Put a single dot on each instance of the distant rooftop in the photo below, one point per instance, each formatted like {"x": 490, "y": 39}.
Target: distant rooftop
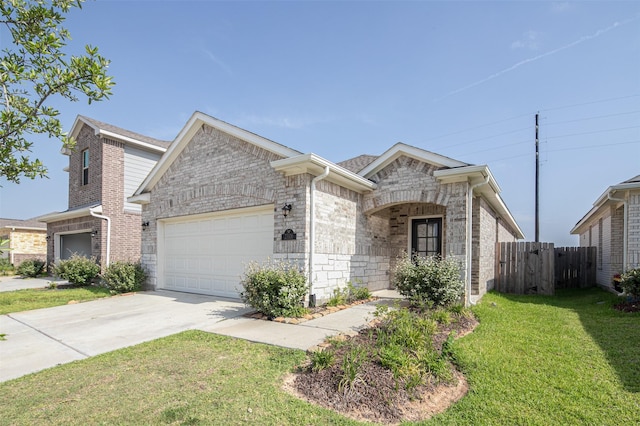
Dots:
{"x": 19, "y": 223}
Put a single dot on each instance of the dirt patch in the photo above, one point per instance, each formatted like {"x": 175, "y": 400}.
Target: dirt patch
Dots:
{"x": 633, "y": 306}
{"x": 377, "y": 396}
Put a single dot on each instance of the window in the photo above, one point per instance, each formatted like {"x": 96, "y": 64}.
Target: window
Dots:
{"x": 85, "y": 167}
{"x": 426, "y": 237}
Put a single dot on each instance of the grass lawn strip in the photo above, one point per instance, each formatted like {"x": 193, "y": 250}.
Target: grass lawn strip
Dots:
{"x": 569, "y": 359}
{"x": 26, "y": 300}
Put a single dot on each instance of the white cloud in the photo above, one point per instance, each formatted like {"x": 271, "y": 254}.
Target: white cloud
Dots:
{"x": 529, "y": 41}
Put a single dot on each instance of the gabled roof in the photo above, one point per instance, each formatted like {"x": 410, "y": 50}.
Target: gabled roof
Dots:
{"x": 28, "y": 224}
{"x": 197, "y": 120}
{"x": 607, "y": 198}
{"x": 357, "y": 163}
{"x": 401, "y": 149}
{"x": 126, "y": 136}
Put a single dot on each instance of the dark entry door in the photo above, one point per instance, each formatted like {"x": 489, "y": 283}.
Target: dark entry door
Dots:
{"x": 426, "y": 237}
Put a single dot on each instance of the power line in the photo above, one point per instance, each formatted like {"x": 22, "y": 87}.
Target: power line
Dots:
{"x": 591, "y": 102}
{"x": 592, "y": 132}
{"x": 593, "y": 117}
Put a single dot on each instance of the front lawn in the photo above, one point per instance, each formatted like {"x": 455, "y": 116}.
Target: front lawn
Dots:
{"x": 569, "y": 359}
{"x": 26, "y": 300}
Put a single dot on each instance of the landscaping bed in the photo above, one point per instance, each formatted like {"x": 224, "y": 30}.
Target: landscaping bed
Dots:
{"x": 376, "y": 393}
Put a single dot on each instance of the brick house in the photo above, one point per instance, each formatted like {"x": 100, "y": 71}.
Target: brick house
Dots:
{"x": 222, "y": 196}
{"x": 27, "y": 240}
{"x": 613, "y": 226}
{"x": 105, "y": 167}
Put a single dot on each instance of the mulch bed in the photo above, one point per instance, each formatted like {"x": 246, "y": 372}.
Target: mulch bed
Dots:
{"x": 378, "y": 396}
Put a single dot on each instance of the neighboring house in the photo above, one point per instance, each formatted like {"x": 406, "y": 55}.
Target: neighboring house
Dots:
{"x": 221, "y": 197}
{"x": 27, "y": 240}
{"x": 105, "y": 167}
{"x": 613, "y": 226}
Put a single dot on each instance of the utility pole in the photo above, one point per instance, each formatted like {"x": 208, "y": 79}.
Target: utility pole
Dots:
{"x": 537, "y": 183}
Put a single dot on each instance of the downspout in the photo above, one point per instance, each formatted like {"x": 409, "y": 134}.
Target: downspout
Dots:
{"x": 469, "y": 238}
{"x": 625, "y": 228}
{"x": 99, "y": 216}
{"x": 312, "y": 232}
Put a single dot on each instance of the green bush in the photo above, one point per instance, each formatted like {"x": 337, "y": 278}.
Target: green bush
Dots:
{"x": 6, "y": 268}
{"x": 430, "y": 279}
{"x": 31, "y": 268}
{"x": 631, "y": 282}
{"x": 348, "y": 294}
{"x": 78, "y": 270}
{"x": 275, "y": 289}
{"x": 122, "y": 277}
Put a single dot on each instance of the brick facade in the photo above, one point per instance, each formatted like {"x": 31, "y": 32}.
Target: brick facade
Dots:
{"x": 106, "y": 188}
{"x": 24, "y": 244}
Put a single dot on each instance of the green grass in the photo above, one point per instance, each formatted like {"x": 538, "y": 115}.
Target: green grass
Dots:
{"x": 191, "y": 378}
{"x": 564, "y": 360}
{"x": 533, "y": 360}
{"x": 26, "y": 300}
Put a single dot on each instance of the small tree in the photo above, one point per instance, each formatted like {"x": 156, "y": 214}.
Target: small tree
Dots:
{"x": 34, "y": 70}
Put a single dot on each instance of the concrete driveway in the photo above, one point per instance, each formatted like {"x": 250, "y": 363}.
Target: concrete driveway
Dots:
{"x": 44, "y": 338}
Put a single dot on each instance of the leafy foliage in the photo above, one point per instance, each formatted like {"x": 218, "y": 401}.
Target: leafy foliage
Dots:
{"x": 348, "y": 294}
{"x": 31, "y": 268}
{"x": 322, "y": 359}
{"x": 122, "y": 277}
{"x": 430, "y": 280}
{"x": 6, "y": 268}
{"x": 36, "y": 69}
{"x": 78, "y": 270}
{"x": 274, "y": 288}
{"x": 631, "y": 282}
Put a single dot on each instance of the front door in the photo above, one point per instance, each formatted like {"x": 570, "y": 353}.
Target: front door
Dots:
{"x": 426, "y": 237}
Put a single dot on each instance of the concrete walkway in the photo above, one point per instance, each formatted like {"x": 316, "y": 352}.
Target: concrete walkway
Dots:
{"x": 12, "y": 283}
{"x": 44, "y": 338}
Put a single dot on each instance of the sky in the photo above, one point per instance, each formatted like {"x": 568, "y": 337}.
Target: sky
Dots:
{"x": 344, "y": 78}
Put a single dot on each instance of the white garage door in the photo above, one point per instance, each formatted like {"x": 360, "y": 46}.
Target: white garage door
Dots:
{"x": 208, "y": 255}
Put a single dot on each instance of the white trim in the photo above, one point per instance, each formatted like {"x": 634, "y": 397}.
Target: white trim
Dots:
{"x": 401, "y": 149}
{"x": 69, "y": 214}
{"x": 219, "y": 213}
{"x": 23, "y": 228}
{"x": 75, "y": 129}
{"x": 144, "y": 198}
{"x": 190, "y": 129}
{"x": 316, "y": 165}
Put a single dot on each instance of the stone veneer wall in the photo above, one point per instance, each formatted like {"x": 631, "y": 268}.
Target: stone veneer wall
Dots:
{"x": 26, "y": 244}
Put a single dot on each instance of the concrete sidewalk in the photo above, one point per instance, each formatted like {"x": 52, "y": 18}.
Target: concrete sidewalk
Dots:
{"x": 13, "y": 283}
{"x": 44, "y": 338}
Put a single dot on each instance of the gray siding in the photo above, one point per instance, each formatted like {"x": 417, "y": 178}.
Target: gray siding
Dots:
{"x": 137, "y": 165}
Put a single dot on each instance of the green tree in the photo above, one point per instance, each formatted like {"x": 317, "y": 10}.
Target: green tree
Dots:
{"x": 33, "y": 71}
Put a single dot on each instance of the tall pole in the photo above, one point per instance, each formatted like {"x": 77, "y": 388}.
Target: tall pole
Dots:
{"x": 537, "y": 184}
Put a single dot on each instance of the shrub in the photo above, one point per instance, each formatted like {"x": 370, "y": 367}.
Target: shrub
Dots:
{"x": 78, "y": 270}
{"x": 348, "y": 294}
{"x": 432, "y": 279}
{"x": 631, "y": 282}
{"x": 122, "y": 277}
{"x": 275, "y": 289}
{"x": 31, "y": 268}
{"x": 6, "y": 268}
{"x": 322, "y": 359}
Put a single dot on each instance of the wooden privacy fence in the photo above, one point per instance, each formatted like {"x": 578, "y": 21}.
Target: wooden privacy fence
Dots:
{"x": 539, "y": 268}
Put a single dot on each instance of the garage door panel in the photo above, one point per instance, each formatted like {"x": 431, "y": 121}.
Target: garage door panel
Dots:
{"x": 210, "y": 255}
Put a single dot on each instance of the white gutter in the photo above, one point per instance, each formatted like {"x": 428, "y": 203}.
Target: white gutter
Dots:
{"x": 469, "y": 238}
{"x": 312, "y": 231}
{"x": 99, "y": 216}
{"x": 625, "y": 227}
